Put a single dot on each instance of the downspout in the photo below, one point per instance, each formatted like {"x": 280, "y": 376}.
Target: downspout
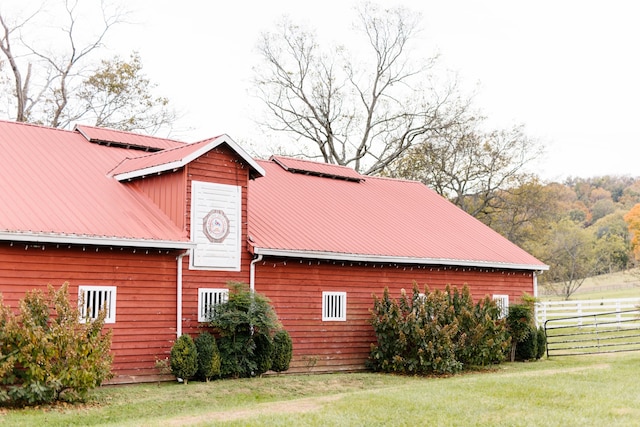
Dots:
{"x": 179, "y": 295}
{"x": 252, "y": 273}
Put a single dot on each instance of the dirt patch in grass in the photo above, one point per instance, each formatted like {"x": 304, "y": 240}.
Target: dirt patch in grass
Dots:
{"x": 307, "y": 404}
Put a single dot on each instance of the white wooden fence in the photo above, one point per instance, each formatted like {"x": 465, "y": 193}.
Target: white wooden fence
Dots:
{"x": 584, "y": 309}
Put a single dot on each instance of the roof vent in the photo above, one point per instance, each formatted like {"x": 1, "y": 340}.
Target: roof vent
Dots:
{"x": 326, "y": 170}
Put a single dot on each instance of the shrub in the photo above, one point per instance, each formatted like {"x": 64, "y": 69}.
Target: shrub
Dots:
{"x": 208, "y": 356}
{"x": 542, "y": 343}
{"x": 184, "y": 358}
{"x": 527, "y": 349}
{"x": 282, "y": 351}
{"x": 48, "y": 353}
{"x": 520, "y": 321}
{"x": 245, "y": 316}
{"x": 263, "y": 353}
{"x": 435, "y": 332}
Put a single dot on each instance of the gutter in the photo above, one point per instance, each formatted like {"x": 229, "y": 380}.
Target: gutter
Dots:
{"x": 252, "y": 273}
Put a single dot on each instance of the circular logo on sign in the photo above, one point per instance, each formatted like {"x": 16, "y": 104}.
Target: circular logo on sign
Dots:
{"x": 216, "y": 226}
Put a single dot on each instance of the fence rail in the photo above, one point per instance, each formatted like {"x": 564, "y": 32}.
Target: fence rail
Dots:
{"x": 576, "y": 313}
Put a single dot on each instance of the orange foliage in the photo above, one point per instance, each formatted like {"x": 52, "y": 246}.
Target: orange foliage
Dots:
{"x": 632, "y": 218}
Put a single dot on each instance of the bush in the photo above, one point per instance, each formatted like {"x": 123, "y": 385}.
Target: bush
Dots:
{"x": 263, "y": 353}
{"x": 520, "y": 323}
{"x": 242, "y": 322}
{"x": 435, "y": 332}
{"x": 47, "y": 353}
{"x": 527, "y": 349}
{"x": 282, "y": 351}
{"x": 208, "y": 356}
{"x": 542, "y": 343}
{"x": 184, "y": 358}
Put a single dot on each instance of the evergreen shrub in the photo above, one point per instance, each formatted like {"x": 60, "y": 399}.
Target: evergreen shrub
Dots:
{"x": 282, "y": 351}
{"x": 184, "y": 358}
{"x": 542, "y": 343}
{"x": 208, "y": 356}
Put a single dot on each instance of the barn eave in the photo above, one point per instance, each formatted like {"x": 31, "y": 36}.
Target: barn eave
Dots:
{"x": 387, "y": 259}
{"x": 73, "y": 239}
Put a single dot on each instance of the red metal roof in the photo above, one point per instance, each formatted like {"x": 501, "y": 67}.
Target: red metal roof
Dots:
{"x": 377, "y": 219}
{"x": 55, "y": 187}
{"x": 162, "y": 161}
{"x": 316, "y": 168}
{"x": 126, "y": 139}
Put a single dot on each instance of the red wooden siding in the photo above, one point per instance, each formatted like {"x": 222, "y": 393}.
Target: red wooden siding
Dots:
{"x": 168, "y": 191}
{"x": 221, "y": 166}
{"x": 145, "y": 327}
{"x": 295, "y": 288}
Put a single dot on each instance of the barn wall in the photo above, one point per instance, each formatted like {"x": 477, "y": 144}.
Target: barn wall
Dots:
{"x": 145, "y": 325}
{"x": 222, "y": 166}
{"x": 295, "y": 288}
{"x": 168, "y": 191}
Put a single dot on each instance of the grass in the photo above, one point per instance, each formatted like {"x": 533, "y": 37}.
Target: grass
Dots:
{"x": 585, "y": 390}
{"x": 623, "y": 284}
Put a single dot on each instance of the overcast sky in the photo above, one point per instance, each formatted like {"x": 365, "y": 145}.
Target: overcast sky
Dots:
{"x": 568, "y": 70}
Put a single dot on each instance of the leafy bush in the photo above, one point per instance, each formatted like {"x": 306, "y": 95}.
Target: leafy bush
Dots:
{"x": 208, "y": 356}
{"x": 48, "y": 353}
{"x": 184, "y": 358}
{"x": 263, "y": 353}
{"x": 527, "y": 349}
{"x": 520, "y": 323}
{"x": 282, "y": 351}
{"x": 435, "y": 332}
{"x": 542, "y": 343}
{"x": 243, "y": 322}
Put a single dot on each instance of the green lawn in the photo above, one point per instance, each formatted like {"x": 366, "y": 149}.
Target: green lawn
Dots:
{"x": 623, "y": 284}
{"x": 564, "y": 391}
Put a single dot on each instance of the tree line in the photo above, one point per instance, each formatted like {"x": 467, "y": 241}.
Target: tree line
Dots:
{"x": 377, "y": 106}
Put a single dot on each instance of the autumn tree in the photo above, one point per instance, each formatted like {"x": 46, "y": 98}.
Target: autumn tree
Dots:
{"x": 571, "y": 257}
{"x": 57, "y": 86}
{"x": 632, "y": 218}
{"x": 362, "y": 108}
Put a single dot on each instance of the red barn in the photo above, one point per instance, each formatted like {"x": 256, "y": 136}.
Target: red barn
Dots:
{"x": 154, "y": 229}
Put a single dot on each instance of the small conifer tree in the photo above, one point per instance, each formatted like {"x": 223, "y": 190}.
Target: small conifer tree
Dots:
{"x": 282, "y": 351}
{"x": 208, "y": 356}
{"x": 184, "y": 358}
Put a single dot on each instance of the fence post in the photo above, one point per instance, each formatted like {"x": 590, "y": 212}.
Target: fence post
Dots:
{"x": 580, "y": 313}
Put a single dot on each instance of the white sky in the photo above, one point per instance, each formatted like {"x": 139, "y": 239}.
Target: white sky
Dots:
{"x": 568, "y": 70}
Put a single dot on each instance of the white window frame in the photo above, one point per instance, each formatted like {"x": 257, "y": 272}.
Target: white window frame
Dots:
{"x": 334, "y": 306}
{"x": 502, "y": 301}
{"x": 106, "y": 296}
{"x": 208, "y": 299}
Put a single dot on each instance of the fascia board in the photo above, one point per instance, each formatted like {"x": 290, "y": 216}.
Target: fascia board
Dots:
{"x": 335, "y": 256}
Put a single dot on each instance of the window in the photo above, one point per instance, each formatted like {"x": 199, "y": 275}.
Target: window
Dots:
{"x": 334, "y": 306}
{"x": 207, "y": 301}
{"x": 502, "y": 301}
{"x": 92, "y": 299}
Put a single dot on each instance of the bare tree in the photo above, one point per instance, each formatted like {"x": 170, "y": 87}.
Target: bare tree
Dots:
{"x": 362, "y": 116}
{"x": 473, "y": 168}
{"x": 57, "y": 87}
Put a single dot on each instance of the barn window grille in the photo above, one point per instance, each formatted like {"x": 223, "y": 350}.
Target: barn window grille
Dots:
{"x": 502, "y": 301}
{"x": 208, "y": 299}
{"x": 92, "y": 299}
{"x": 334, "y": 306}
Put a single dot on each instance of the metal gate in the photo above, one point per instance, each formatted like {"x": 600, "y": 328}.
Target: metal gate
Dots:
{"x": 610, "y": 332}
